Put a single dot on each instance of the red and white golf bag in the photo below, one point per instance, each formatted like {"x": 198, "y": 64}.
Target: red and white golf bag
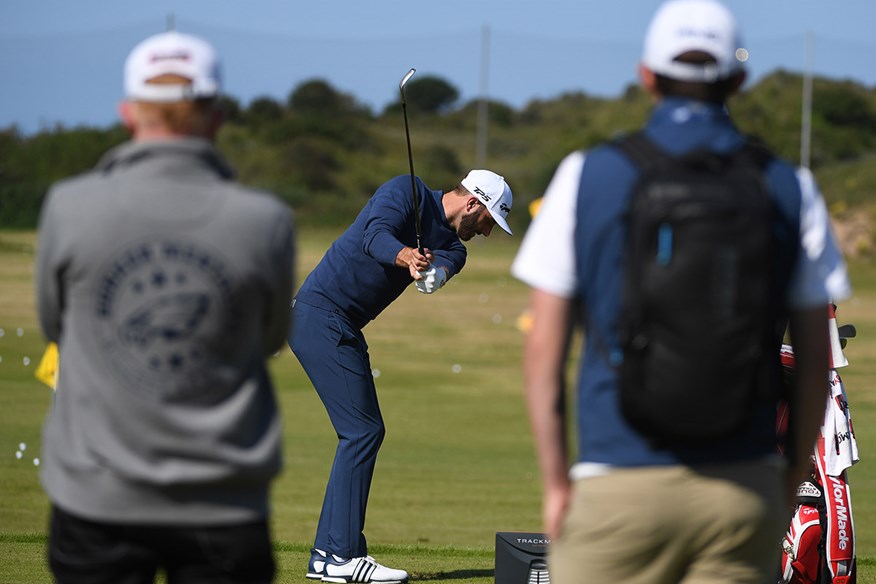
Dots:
{"x": 819, "y": 547}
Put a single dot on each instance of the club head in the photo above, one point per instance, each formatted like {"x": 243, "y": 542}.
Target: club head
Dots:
{"x": 847, "y": 331}
{"x": 405, "y": 79}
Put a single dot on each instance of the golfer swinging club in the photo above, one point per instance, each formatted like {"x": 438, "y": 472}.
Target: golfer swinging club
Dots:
{"x": 363, "y": 271}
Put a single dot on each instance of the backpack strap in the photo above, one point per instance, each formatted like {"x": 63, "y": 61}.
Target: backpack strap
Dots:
{"x": 641, "y": 151}
{"x": 646, "y": 155}
{"x": 757, "y": 153}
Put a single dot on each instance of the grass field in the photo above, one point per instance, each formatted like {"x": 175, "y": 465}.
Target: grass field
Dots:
{"x": 457, "y": 464}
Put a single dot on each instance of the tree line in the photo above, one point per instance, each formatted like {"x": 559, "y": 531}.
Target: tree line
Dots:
{"x": 325, "y": 153}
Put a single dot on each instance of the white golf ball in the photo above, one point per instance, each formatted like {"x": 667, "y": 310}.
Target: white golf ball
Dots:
{"x": 375, "y": 373}
{"x": 19, "y": 331}
{"x": 18, "y": 455}
{"x": 36, "y": 461}
{"x": 456, "y": 368}
{"x": 497, "y": 319}
{"x": 22, "y": 446}
{"x": 2, "y": 332}
{"x": 26, "y": 361}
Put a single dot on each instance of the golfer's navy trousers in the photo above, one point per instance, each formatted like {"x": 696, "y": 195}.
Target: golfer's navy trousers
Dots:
{"x": 334, "y": 355}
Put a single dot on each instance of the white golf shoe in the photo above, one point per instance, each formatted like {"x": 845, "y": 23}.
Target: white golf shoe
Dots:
{"x": 364, "y": 569}
{"x": 316, "y": 565}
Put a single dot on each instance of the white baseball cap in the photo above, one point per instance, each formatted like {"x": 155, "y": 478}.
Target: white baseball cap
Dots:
{"x": 172, "y": 53}
{"x": 491, "y": 190}
{"x": 680, "y": 26}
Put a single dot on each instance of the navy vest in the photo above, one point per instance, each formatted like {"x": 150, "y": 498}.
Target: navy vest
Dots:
{"x": 607, "y": 180}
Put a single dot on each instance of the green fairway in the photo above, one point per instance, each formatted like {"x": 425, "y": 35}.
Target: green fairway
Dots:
{"x": 457, "y": 464}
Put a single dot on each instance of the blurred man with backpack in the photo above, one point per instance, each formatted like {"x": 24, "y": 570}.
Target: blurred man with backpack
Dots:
{"x": 687, "y": 248}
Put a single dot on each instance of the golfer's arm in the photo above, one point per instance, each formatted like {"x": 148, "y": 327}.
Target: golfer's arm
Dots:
{"x": 451, "y": 258}
{"x": 810, "y": 338}
{"x": 545, "y": 354}
{"x": 380, "y": 239}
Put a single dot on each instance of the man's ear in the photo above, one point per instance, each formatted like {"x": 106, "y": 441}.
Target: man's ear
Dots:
{"x": 648, "y": 79}
{"x": 471, "y": 203}
{"x": 126, "y": 113}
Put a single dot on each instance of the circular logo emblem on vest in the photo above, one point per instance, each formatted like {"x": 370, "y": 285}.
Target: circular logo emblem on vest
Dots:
{"x": 164, "y": 312}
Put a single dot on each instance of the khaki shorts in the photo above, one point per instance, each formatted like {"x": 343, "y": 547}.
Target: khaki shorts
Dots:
{"x": 691, "y": 525}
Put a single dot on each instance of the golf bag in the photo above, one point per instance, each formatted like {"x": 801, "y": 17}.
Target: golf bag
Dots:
{"x": 819, "y": 546}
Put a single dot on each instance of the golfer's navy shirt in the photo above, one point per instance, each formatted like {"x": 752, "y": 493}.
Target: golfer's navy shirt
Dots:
{"x": 358, "y": 275}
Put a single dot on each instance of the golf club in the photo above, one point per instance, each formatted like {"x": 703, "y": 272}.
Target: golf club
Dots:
{"x": 401, "y": 88}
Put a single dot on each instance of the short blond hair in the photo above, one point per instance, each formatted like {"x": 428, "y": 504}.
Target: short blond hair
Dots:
{"x": 195, "y": 117}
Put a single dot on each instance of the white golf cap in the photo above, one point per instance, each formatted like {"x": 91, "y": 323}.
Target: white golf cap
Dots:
{"x": 680, "y": 26}
{"x": 492, "y": 190}
{"x": 172, "y": 53}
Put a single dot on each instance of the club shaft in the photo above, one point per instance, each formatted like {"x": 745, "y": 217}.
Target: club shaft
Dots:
{"x": 414, "y": 196}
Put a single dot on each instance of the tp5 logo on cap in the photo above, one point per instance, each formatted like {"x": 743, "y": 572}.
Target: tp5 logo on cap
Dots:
{"x": 482, "y": 195}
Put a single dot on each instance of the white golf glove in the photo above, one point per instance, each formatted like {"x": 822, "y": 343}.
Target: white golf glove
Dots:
{"x": 433, "y": 279}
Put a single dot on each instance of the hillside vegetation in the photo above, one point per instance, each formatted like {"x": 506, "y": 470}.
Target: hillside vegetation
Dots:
{"x": 325, "y": 153}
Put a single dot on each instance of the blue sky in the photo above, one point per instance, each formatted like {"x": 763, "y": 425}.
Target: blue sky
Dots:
{"x": 61, "y": 60}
